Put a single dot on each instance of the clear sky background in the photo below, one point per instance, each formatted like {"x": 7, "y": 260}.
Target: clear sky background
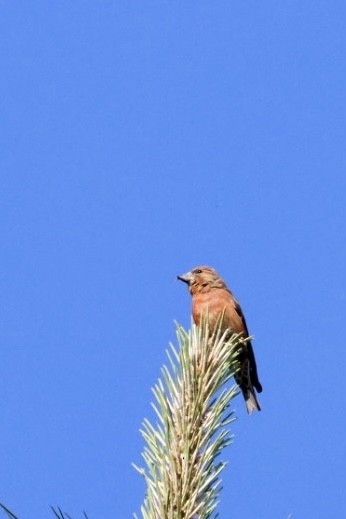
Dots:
{"x": 138, "y": 140}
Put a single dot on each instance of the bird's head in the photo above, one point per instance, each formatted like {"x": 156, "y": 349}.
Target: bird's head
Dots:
{"x": 202, "y": 279}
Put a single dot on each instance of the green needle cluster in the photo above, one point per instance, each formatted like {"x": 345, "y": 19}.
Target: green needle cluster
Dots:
{"x": 192, "y": 407}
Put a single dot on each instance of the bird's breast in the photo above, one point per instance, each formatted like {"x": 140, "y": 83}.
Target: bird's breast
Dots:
{"x": 212, "y": 305}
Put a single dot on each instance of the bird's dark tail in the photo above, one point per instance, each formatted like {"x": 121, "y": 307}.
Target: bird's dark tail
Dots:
{"x": 247, "y": 385}
{"x": 251, "y": 400}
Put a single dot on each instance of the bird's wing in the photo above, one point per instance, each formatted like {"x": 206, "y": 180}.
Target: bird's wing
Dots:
{"x": 250, "y": 352}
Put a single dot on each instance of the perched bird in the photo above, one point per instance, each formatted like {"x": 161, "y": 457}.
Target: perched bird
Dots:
{"x": 212, "y": 298}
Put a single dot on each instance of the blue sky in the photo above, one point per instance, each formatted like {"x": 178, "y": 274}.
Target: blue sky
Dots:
{"x": 140, "y": 139}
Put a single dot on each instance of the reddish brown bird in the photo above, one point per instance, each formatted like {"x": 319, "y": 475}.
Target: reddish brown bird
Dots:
{"x": 212, "y": 298}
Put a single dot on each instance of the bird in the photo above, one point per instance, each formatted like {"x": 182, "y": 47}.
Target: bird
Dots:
{"x": 211, "y": 298}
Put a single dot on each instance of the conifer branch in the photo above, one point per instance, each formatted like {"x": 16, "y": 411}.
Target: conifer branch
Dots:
{"x": 192, "y": 408}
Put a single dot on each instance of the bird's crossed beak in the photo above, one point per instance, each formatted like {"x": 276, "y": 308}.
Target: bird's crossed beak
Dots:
{"x": 186, "y": 277}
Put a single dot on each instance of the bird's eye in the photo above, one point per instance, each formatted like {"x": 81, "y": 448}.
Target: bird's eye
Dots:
{"x": 198, "y": 271}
